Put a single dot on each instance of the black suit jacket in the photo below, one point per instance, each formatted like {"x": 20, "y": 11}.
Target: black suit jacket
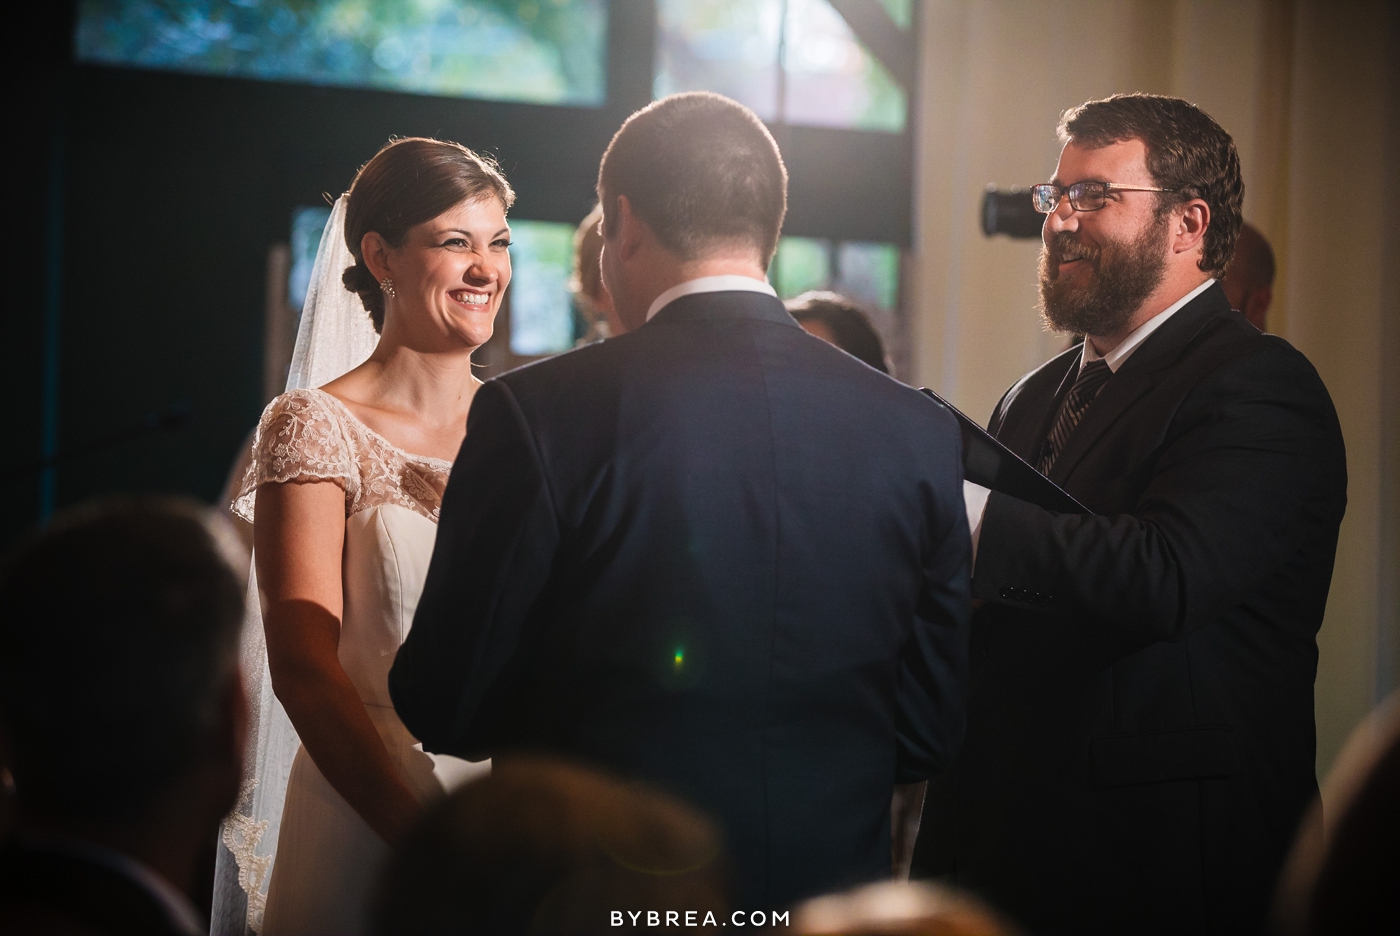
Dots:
{"x": 1140, "y": 751}
{"x": 49, "y": 892}
{"x": 715, "y": 554}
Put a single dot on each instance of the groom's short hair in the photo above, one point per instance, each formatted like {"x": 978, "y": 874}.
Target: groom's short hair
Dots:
{"x": 702, "y": 171}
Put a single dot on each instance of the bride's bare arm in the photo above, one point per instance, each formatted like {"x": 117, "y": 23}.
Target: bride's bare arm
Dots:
{"x": 298, "y": 538}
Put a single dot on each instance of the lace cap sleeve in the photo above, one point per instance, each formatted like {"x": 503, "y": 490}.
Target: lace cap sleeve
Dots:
{"x": 299, "y": 438}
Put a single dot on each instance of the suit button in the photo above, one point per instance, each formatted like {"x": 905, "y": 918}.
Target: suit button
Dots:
{"x": 1007, "y": 593}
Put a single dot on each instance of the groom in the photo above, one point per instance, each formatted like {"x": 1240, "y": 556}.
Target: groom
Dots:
{"x": 714, "y": 554}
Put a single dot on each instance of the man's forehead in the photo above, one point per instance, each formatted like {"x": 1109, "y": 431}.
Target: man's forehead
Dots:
{"x": 1123, "y": 161}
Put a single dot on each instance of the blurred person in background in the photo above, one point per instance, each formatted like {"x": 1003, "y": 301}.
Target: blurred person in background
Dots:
{"x": 122, "y": 716}
{"x": 713, "y": 554}
{"x": 841, "y": 322}
{"x": 591, "y": 297}
{"x": 1343, "y": 876}
{"x": 553, "y": 849}
{"x": 1249, "y": 279}
{"x": 1141, "y": 742}
{"x": 343, "y": 491}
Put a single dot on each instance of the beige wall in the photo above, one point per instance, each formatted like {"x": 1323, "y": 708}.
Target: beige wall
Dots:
{"x": 1303, "y": 88}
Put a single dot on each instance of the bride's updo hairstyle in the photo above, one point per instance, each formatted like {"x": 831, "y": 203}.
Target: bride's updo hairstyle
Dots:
{"x": 408, "y": 182}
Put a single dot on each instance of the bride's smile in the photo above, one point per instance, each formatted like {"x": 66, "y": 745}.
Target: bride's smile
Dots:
{"x": 469, "y": 298}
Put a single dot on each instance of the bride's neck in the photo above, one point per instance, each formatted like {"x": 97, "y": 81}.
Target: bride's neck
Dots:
{"x": 429, "y": 384}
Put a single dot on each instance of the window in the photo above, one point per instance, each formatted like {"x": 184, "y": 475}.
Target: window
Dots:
{"x": 801, "y": 263}
{"x": 901, "y": 11}
{"x": 841, "y": 118}
{"x": 542, "y": 319}
{"x": 308, "y": 224}
{"x": 869, "y": 272}
{"x": 726, "y": 46}
{"x": 536, "y": 51}
{"x": 866, "y": 272}
{"x": 735, "y": 47}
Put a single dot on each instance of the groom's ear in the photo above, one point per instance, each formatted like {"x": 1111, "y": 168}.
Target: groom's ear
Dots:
{"x": 631, "y": 230}
{"x": 375, "y": 249}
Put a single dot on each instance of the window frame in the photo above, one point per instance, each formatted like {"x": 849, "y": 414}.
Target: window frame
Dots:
{"x": 844, "y": 185}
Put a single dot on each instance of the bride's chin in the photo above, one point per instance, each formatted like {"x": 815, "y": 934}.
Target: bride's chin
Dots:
{"x": 475, "y": 337}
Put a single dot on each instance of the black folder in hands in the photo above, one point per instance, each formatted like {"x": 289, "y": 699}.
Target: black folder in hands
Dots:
{"x": 989, "y": 463}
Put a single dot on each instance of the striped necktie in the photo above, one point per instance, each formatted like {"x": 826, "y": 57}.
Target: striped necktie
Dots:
{"x": 1086, "y": 386}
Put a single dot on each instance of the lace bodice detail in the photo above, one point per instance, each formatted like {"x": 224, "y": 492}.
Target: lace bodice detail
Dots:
{"x": 309, "y": 435}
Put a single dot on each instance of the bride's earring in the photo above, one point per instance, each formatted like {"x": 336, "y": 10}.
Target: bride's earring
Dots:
{"x": 387, "y": 285}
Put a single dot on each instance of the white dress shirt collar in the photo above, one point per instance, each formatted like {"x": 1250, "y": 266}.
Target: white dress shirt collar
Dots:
{"x": 706, "y": 284}
{"x": 1115, "y": 358}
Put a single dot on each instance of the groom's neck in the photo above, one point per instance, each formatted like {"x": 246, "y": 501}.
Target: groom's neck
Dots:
{"x": 659, "y": 270}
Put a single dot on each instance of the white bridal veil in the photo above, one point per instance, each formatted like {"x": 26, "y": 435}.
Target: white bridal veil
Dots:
{"x": 335, "y": 336}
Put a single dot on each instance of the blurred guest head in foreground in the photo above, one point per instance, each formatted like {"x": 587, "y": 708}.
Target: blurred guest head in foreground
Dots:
{"x": 1249, "y": 279}
{"x": 841, "y": 322}
{"x": 586, "y": 283}
{"x": 674, "y": 209}
{"x": 546, "y": 847}
{"x": 898, "y": 908}
{"x": 1344, "y": 875}
{"x": 123, "y": 714}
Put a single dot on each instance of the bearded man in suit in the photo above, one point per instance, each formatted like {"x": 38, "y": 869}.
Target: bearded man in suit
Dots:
{"x": 1140, "y": 743}
{"x": 715, "y": 554}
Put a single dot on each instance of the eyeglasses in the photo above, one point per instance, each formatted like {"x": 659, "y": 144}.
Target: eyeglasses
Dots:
{"x": 1083, "y": 196}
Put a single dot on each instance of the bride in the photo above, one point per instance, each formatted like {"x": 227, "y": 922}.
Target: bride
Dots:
{"x": 344, "y": 487}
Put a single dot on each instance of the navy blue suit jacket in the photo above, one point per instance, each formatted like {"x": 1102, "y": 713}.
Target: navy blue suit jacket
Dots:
{"x": 717, "y": 555}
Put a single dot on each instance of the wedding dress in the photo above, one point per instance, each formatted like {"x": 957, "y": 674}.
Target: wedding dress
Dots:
{"x": 296, "y": 858}
{"x": 327, "y": 856}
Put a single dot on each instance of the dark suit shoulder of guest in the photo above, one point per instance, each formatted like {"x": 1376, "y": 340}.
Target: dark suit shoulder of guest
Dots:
{"x": 715, "y": 554}
{"x": 63, "y": 895}
{"x": 1141, "y": 741}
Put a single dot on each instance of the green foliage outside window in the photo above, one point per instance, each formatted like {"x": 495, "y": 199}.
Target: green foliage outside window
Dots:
{"x": 537, "y": 51}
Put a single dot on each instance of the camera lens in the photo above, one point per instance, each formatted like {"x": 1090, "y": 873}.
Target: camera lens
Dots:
{"x": 1011, "y": 213}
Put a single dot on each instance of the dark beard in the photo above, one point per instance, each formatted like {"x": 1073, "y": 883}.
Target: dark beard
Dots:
{"x": 1125, "y": 274}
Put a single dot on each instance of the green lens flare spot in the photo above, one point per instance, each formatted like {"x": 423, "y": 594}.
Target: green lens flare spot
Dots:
{"x": 679, "y": 658}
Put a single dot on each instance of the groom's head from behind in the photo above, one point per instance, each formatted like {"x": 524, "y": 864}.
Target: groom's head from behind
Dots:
{"x": 691, "y": 185}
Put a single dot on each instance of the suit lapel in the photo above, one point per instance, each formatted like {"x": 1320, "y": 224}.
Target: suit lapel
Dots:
{"x": 1027, "y": 417}
{"x": 1120, "y": 392}
{"x": 1137, "y": 376}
